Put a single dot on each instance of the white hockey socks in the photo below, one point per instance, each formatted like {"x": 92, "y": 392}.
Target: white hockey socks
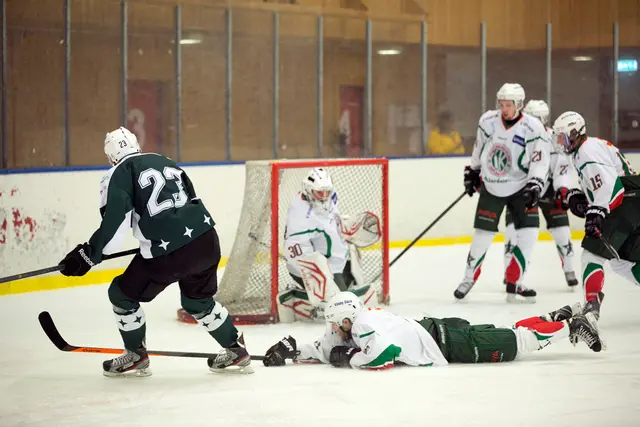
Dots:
{"x": 482, "y": 239}
{"x": 592, "y": 274}
{"x": 510, "y": 240}
{"x": 627, "y": 269}
{"x": 562, "y": 237}
{"x": 526, "y": 239}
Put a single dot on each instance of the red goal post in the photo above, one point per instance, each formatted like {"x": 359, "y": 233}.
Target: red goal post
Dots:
{"x": 256, "y": 268}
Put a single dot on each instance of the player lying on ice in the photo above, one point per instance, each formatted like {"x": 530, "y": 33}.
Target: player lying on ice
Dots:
{"x": 320, "y": 243}
{"x": 367, "y": 338}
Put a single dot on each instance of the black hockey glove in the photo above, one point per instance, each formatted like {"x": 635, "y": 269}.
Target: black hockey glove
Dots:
{"x": 593, "y": 223}
{"x": 577, "y": 203}
{"x": 278, "y": 353}
{"x": 531, "y": 193}
{"x": 471, "y": 180}
{"x": 341, "y": 355}
{"x": 78, "y": 261}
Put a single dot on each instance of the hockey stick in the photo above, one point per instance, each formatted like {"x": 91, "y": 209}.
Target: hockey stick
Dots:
{"x": 50, "y": 329}
{"x": 609, "y": 247}
{"x": 57, "y": 267}
{"x": 429, "y": 227}
{"x": 261, "y": 243}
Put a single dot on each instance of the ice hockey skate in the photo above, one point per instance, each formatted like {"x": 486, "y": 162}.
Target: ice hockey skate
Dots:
{"x": 463, "y": 289}
{"x": 593, "y": 306}
{"x": 520, "y": 294}
{"x": 583, "y": 328}
{"x": 129, "y": 364}
{"x": 564, "y": 313}
{"x": 571, "y": 279}
{"x": 232, "y": 360}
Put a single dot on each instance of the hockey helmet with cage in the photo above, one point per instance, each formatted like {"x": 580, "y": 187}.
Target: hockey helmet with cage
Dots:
{"x": 511, "y": 92}
{"x": 538, "y": 109}
{"x": 317, "y": 188}
{"x": 120, "y": 143}
{"x": 569, "y": 130}
{"x": 343, "y": 305}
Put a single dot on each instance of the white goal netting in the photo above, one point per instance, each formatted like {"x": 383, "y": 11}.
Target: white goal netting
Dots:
{"x": 249, "y": 285}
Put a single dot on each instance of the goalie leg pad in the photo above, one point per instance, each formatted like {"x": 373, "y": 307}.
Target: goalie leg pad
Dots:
{"x": 356, "y": 265}
{"x": 293, "y": 304}
{"x": 317, "y": 278}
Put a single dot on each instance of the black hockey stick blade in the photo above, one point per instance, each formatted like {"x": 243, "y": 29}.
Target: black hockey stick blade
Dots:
{"x": 51, "y": 330}
{"x": 57, "y": 267}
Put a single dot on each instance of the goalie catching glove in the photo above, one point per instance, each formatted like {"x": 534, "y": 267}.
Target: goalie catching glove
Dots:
{"x": 278, "y": 353}
{"x": 361, "y": 230}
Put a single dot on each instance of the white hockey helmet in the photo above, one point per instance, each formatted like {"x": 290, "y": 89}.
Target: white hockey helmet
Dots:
{"x": 538, "y": 109}
{"x": 119, "y": 144}
{"x": 317, "y": 187}
{"x": 343, "y": 305}
{"x": 511, "y": 92}
{"x": 569, "y": 130}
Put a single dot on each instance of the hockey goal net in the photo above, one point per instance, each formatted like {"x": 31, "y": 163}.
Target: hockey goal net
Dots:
{"x": 256, "y": 270}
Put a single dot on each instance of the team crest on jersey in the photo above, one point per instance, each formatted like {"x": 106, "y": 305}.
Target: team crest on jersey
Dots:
{"x": 500, "y": 160}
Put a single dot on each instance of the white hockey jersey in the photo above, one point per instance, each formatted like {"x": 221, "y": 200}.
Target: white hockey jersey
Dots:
{"x": 383, "y": 338}
{"x": 599, "y": 165}
{"x": 559, "y": 167}
{"x": 314, "y": 230}
{"x": 508, "y": 158}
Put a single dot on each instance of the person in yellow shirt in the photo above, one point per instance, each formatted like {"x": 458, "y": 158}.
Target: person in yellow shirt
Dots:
{"x": 443, "y": 139}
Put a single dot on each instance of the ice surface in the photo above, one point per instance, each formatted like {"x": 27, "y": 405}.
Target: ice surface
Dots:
{"x": 559, "y": 386}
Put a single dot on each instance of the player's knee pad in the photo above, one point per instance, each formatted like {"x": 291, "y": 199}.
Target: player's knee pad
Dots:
{"x": 196, "y": 306}
{"x": 119, "y": 300}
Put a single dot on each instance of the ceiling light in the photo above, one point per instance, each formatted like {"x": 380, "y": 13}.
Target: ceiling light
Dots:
{"x": 582, "y": 58}
{"x": 388, "y": 52}
{"x": 190, "y": 41}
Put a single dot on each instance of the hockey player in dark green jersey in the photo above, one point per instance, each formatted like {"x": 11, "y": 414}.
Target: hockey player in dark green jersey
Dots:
{"x": 178, "y": 243}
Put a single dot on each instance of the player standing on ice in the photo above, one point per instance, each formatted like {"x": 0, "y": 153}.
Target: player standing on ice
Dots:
{"x": 375, "y": 339}
{"x": 320, "y": 244}
{"x": 509, "y": 166}
{"x": 609, "y": 200}
{"x": 178, "y": 243}
{"x": 555, "y": 188}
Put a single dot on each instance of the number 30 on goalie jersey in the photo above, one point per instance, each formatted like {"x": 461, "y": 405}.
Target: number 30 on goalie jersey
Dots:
{"x": 313, "y": 230}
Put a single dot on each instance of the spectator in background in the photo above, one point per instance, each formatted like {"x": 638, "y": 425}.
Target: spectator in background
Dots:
{"x": 443, "y": 139}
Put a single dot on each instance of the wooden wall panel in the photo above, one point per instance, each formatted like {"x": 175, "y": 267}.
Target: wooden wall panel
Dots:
{"x": 448, "y": 26}
{"x": 36, "y": 64}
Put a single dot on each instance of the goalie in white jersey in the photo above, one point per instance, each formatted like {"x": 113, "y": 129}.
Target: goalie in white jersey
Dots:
{"x": 366, "y": 338}
{"x": 555, "y": 188}
{"x": 509, "y": 167}
{"x": 320, "y": 245}
{"x": 609, "y": 200}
